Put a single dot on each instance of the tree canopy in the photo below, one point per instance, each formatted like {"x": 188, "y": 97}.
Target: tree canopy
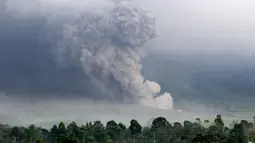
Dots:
{"x": 160, "y": 131}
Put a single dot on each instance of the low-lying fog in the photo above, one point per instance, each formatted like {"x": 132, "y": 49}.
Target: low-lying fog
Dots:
{"x": 48, "y": 112}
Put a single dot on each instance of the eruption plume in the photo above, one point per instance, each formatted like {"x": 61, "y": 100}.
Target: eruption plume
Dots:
{"x": 107, "y": 48}
{"x": 105, "y": 45}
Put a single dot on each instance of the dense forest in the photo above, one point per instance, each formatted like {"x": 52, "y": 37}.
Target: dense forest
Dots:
{"x": 160, "y": 131}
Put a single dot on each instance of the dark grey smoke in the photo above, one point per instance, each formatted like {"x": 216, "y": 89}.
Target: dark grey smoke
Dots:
{"x": 101, "y": 48}
{"x": 26, "y": 63}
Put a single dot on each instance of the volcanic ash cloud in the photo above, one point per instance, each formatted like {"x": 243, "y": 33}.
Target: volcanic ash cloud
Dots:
{"x": 106, "y": 47}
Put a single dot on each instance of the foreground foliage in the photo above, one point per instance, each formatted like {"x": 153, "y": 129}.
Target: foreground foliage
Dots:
{"x": 160, "y": 131}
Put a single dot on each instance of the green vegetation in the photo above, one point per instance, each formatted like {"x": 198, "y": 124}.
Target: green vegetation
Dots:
{"x": 160, "y": 131}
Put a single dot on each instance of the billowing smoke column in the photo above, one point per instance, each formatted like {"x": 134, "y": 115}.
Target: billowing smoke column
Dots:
{"x": 106, "y": 46}
{"x": 103, "y": 42}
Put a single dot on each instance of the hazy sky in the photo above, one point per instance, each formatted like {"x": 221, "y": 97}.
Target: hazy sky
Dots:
{"x": 184, "y": 26}
{"x": 213, "y": 27}
{"x": 204, "y": 25}
{"x": 193, "y": 25}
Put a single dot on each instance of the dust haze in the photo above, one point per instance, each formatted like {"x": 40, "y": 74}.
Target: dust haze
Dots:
{"x": 48, "y": 112}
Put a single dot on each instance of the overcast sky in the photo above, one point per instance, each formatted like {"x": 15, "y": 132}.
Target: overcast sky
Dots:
{"x": 214, "y": 27}
{"x": 204, "y": 25}
{"x": 193, "y": 25}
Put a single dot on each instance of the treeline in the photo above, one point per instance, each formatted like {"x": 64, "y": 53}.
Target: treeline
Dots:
{"x": 160, "y": 131}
